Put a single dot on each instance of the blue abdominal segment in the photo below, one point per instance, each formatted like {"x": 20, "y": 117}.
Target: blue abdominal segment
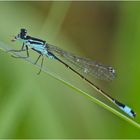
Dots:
{"x": 128, "y": 111}
{"x": 125, "y": 108}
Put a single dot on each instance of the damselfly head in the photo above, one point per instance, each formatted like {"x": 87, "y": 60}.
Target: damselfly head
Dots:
{"x": 21, "y": 36}
{"x": 23, "y": 33}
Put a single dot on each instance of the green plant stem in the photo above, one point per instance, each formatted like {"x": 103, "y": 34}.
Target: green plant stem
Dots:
{"x": 93, "y": 99}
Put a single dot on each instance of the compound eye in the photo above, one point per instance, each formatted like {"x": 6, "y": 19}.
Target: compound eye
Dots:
{"x": 23, "y": 30}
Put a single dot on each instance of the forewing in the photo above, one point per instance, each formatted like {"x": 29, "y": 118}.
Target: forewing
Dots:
{"x": 84, "y": 65}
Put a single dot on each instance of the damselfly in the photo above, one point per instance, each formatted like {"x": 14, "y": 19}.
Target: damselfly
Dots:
{"x": 86, "y": 65}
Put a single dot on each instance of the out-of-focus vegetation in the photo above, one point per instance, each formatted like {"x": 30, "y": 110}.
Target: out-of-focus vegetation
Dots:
{"x": 33, "y": 106}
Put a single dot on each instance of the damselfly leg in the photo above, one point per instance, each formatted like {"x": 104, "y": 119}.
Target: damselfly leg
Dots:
{"x": 24, "y": 48}
{"x": 37, "y": 59}
{"x": 41, "y": 63}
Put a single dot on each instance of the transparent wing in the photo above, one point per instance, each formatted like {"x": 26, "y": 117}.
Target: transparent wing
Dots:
{"x": 84, "y": 65}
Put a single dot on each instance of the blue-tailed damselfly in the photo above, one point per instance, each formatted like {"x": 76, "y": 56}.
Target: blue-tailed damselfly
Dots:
{"x": 86, "y": 65}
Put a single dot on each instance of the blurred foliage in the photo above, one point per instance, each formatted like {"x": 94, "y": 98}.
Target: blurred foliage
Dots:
{"x": 34, "y": 106}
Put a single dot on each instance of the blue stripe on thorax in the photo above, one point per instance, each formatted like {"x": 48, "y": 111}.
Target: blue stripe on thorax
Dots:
{"x": 39, "y": 46}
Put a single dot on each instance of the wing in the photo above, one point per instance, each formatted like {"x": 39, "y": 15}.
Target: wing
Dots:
{"x": 84, "y": 65}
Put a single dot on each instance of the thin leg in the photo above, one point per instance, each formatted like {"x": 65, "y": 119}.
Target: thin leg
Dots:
{"x": 41, "y": 66}
{"x": 22, "y": 49}
{"x": 37, "y": 59}
{"x": 16, "y": 50}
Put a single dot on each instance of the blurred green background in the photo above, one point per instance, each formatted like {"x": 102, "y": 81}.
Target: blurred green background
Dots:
{"x": 33, "y": 106}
